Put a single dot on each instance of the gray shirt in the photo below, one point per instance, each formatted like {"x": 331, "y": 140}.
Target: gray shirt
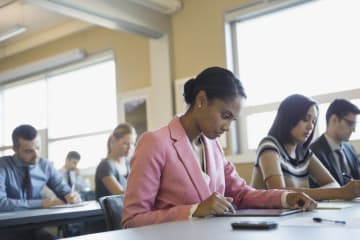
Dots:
{"x": 104, "y": 169}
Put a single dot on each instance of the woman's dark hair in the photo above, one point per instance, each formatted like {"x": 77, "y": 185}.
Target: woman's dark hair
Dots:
{"x": 291, "y": 110}
{"x": 217, "y": 83}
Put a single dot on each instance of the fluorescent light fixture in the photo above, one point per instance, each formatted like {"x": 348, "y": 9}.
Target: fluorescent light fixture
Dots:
{"x": 42, "y": 65}
{"x": 18, "y": 29}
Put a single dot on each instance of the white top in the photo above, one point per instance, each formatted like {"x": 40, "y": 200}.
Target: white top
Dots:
{"x": 80, "y": 183}
{"x": 199, "y": 151}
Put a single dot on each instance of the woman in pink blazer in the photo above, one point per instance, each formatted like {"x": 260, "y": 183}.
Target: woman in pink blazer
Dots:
{"x": 180, "y": 171}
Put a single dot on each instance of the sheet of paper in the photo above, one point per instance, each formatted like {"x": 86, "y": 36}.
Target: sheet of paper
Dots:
{"x": 5, "y": 214}
{"x": 309, "y": 222}
{"x": 80, "y": 204}
{"x": 333, "y": 205}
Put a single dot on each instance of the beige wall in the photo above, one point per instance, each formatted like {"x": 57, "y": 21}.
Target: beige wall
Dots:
{"x": 198, "y": 35}
{"x": 198, "y": 41}
{"x": 132, "y": 54}
{"x": 245, "y": 170}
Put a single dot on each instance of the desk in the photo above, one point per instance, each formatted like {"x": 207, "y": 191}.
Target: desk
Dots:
{"x": 35, "y": 218}
{"x": 213, "y": 228}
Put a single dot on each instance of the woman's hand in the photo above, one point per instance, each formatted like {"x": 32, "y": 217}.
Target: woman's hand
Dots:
{"x": 300, "y": 200}
{"x": 215, "y": 204}
{"x": 351, "y": 190}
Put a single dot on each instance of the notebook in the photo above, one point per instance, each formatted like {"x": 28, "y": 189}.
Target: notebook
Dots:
{"x": 259, "y": 212}
{"x": 80, "y": 204}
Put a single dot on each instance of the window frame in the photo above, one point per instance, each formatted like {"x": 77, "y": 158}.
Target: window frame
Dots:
{"x": 239, "y": 136}
{"x": 130, "y": 96}
{"x": 93, "y": 59}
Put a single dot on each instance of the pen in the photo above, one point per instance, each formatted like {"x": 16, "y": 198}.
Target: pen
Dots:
{"x": 319, "y": 220}
{"x": 232, "y": 208}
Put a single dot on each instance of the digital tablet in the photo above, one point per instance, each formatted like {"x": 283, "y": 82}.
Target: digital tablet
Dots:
{"x": 259, "y": 212}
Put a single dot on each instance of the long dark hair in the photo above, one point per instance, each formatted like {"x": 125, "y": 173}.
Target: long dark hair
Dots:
{"x": 217, "y": 83}
{"x": 292, "y": 110}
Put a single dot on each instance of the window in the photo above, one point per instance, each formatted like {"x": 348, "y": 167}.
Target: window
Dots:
{"x": 88, "y": 94}
{"x": 24, "y": 104}
{"x": 79, "y": 97}
{"x": 286, "y": 47}
{"x": 2, "y": 140}
{"x": 6, "y": 152}
{"x": 91, "y": 148}
{"x": 258, "y": 124}
{"x": 74, "y": 109}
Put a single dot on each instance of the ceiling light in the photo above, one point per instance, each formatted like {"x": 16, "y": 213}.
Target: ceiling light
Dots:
{"x": 18, "y": 29}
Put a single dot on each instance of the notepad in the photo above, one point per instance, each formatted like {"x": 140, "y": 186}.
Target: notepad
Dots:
{"x": 260, "y": 212}
{"x": 333, "y": 205}
{"x": 80, "y": 204}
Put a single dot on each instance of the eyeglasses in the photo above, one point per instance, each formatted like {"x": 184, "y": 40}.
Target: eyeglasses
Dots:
{"x": 350, "y": 123}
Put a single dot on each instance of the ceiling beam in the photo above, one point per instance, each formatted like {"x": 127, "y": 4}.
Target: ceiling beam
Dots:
{"x": 43, "y": 37}
{"x": 125, "y": 15}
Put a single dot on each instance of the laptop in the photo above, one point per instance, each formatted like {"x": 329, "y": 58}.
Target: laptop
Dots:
{"x": 259, "y": 212}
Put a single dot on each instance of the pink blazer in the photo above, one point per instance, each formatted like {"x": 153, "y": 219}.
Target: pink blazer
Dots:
{"x": 166, "y": 179}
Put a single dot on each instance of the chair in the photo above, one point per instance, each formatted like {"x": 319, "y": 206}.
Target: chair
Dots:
{"x": 87, "y": 195}
{"x": 112, "y": 208}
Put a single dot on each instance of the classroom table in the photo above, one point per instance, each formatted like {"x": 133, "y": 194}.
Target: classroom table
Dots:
{"x": 299, "y": 226}
{"x": 35, "y": 218}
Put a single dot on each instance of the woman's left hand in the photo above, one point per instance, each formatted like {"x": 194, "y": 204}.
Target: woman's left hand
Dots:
{"x": 300, "y": 200}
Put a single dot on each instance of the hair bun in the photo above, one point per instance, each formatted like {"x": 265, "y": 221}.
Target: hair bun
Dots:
{"x": 189, "y": 87}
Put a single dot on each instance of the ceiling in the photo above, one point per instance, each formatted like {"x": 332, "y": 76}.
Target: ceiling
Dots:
{"x": 42, "y": 17}
{"x": 36, "y": 19}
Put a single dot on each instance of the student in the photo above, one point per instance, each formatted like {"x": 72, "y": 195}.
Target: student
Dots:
{"x": 72, "y": 177}
{"x": 284, "y": 160}
{"x": 112, "y": 172}
{"x": 23, "y": 176}
{"x": 71, "y": 173}
{"x": 333, "y": 147}
{"x": 180, "y": 171}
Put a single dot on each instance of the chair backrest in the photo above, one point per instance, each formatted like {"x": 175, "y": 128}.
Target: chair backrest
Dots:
{"x": 87, "y": 195}
{"x": 112, "y": 208}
